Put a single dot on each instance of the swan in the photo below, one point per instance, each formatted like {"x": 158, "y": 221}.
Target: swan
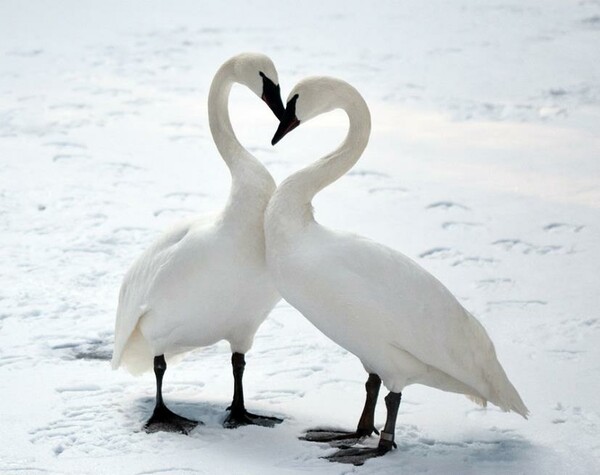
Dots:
{"x": 205, "y": 279}
{"x": 398, "y": 319}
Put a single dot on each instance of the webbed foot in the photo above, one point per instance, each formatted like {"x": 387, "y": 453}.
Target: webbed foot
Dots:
{"x": 236, "y": 419}
{"x": 337, "y": 438}
{"x": 357, "y": 455}
{"x": 163, "y": 419}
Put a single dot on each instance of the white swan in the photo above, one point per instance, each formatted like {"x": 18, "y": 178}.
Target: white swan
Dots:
{"x": 205, "y": 279}
{"x": 402, "y": 323}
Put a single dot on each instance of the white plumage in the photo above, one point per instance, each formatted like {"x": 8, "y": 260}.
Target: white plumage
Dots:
{"x": 402, "y": 323}
{"x": 205, "y": 279}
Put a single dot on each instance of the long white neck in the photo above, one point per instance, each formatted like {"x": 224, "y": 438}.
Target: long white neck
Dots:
{"x": 290, "y": 207}
{"x": 251, "y": 183}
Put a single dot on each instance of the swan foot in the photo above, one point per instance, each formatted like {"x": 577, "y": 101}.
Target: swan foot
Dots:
{"x": 357, "y": 455}
{"x": 165, "y": 420}
{"x": 236, "y": 419}
{"x": 337, "y": 438}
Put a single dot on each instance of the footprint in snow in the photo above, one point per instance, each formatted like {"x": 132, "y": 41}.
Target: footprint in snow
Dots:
{"x": 122, "y": 167}
{"x": 87, "y": 350}
{"x": 388, "y": 189}
{"x": 367, "y": 173}
{"x": 520, "y": 304}
{"x": 528, "y": 248}
{"x": 447, "y": 205}
{"x": 457, "y": 257}
{"x": 69, "y": 106}
{"x": 185, "y": 195}
{"x": 475, "y": 261}
{"x": 592, "y": 22}
{"x": 64, "y": 144}
{"x": 499, "y": 283}
{"x": 173, "y": 211}
{"x": 563, "y": 228}
{"x": 440, "y": 253}
{"x": 104, "y": 421}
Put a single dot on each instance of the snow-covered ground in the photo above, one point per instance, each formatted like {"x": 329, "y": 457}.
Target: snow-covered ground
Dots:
{"x": 483, "y": 166}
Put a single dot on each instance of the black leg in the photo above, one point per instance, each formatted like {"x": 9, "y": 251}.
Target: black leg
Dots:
{"x": 366, "y": 424}
{"x": 386, "y": 439}
{"x": 163, "y": 419}
{"x": 358, "y": 456}
{"x": 238, "y": 416}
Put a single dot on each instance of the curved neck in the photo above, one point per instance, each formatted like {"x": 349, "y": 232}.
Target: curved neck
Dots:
{"x": 252, "y": 184}
{"x": 293, "y": 197}
{"x": 218, "y": 116}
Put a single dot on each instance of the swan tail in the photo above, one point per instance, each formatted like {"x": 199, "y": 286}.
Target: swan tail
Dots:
{"x": 503, "y": 394}
{"x": 509, "y": 400}
{"x": 477, "y": 400}
{"x": 131, "y": 349}
{"x": 493, "y": 383}
{"x": 136, "y": 356}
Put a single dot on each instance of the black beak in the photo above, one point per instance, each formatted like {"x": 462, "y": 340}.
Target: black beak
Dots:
{"x": 272, "y": 96}
{"x": 288, "y": 122}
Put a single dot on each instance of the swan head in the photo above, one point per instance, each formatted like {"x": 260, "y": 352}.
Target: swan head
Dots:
{"x": 311, "y": 97}
{"x": 257, "y": 72}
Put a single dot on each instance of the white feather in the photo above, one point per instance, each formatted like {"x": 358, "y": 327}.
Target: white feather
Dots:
{"x": 401, "y": 322}
{"x": 205, "y": 279}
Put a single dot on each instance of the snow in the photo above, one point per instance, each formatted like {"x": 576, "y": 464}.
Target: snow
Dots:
{"x": 483, "y": 166}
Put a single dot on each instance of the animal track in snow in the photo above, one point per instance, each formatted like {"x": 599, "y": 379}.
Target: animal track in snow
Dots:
{"x": 446, "y": 205}
{"x": 64, "y": 144}
{"x": 439, "y": 253}
{"x": 31, "y": 53}
{"x": 495, "y": 283}
{"x": 476, "y": 261}
{"x": 363, "y": 172}
{"x": 592, "y": 22}
{"x": 458, "y": 258}
{"x": 388, "y": 189}
{"x": 563, "y": 354}
{"x": 563, "y": 227}
{"x": 102, "y": 421}
{"x": 528, "y": 248}
{"x": 278, "y": 395}
{"x": 185, "y": 195}
{"x": 299, "y": 372}
{"x": 521, "y": 304}
{"x": 69, "y": 106}
{"x": 121, "y": 167}
{"x": 87, "y": 350}
{"x": 589, "y": 420}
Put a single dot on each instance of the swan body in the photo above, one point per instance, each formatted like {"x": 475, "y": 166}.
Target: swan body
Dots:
{"x": 203, "y": 281}
{"x": 206, "y": 279}
{"x": 399, "y": 320}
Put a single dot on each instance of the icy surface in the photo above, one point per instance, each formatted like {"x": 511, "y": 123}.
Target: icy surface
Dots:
{"x": 483, "y": 166}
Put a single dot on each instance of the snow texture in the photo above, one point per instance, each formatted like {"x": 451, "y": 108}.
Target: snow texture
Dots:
{"x": 483, "y": 165}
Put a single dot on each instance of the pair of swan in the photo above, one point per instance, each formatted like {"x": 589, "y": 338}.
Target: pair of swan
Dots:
{"x": 208, "y": 280}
